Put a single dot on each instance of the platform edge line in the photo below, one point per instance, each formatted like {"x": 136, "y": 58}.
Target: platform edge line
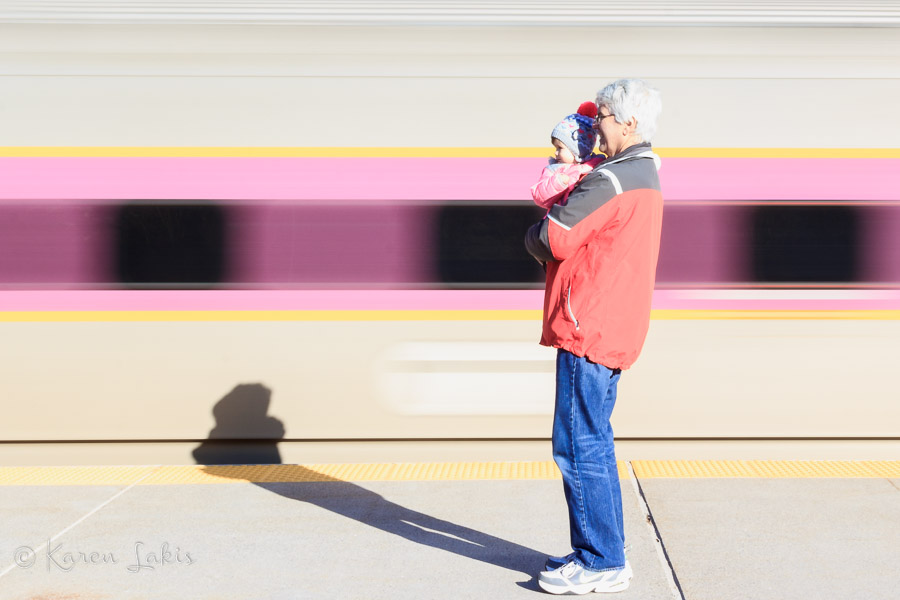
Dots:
{"x": 154, "y": 469}
{"x": 662, "y": 554}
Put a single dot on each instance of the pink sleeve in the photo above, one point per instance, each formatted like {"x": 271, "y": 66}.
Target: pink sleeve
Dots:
{"x": 555, "y": 180}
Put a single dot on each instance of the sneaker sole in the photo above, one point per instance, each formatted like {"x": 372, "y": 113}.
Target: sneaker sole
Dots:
{"x": 585, "y": 588}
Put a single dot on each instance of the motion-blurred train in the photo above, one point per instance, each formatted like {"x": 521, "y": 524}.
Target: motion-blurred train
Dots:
{"x": 294, "y": 225}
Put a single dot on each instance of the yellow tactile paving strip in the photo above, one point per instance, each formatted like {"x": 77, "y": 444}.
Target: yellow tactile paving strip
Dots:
{"x": 455, "y": 471}
{"x": 73, "y": 475}
{"x": 199, "y": 474}
{"x": 697, "y": 469}
{"x": 459, "y": 471}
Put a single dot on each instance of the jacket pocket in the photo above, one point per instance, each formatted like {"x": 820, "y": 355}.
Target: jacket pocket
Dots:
{"x": 569, "y": 306}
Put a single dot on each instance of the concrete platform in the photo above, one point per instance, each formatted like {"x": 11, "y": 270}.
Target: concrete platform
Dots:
{"x": 781, "y": 538}
{"x": 203, "y": 533}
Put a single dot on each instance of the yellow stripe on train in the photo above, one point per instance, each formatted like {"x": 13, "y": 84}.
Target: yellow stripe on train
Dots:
{"x": 410, "y": 152}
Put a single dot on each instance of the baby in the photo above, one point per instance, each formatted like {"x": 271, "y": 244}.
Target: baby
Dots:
{"x": 574, "y": 139}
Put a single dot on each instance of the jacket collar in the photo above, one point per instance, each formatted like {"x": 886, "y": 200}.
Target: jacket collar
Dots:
{"x": 632, "y": 150}
{"x": 642, "y": 150}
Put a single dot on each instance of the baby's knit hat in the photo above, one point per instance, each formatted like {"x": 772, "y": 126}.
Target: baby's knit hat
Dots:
{"x": 577, "y": 131}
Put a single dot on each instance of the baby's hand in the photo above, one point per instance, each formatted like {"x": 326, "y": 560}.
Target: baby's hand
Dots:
{"x": 585, "y": 169}
{"x": 562, "y": 179}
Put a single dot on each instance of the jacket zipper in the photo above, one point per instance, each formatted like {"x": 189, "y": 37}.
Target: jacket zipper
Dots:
{"x": 569, "y": 306}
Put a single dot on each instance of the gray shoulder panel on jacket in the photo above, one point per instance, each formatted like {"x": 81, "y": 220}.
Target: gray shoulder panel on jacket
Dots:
{"x": 638, "y": 173}
{"x": 594, "y": 191}
{"x": 598, "y": 188}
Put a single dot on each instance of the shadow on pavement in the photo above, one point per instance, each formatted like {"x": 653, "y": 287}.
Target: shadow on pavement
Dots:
{"x": 363, "y": 505}
{"x": 244, "y": 434}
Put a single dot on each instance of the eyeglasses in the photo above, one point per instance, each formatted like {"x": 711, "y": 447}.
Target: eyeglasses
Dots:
{"x": 601, "y": 117}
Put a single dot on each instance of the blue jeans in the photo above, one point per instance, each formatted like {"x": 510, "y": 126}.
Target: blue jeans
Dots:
{"x": 585, "y": 454}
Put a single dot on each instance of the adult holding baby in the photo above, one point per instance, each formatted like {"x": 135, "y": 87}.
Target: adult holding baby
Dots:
{"x": 600, "y": 250}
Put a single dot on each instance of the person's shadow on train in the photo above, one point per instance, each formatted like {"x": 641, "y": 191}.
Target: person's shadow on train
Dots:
{"x": 243, "y": 434}
{"x": 243, "y": 413}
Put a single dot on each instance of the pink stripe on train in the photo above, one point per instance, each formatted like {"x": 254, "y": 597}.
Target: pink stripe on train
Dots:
{"x": 237, "y": 300}
{"x": 144, "y": 300}
{"x": 379, "y": 179}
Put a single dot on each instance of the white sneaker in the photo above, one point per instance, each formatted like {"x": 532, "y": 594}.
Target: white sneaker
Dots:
{"x": 555, "y": 562}
{"x": 572, "y": 578}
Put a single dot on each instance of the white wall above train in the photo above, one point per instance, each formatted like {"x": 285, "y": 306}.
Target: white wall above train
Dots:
{"x": 311, "y": 85}
{"x": 572, "y": 13}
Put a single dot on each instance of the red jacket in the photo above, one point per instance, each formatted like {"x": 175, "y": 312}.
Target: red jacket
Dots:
{"x": 601, "y": 250}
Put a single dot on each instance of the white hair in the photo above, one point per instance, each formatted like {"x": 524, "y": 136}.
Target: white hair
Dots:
{"x": 633, "y": 98}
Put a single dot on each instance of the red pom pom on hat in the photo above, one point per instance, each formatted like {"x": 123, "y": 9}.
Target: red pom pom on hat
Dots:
{"x": 588, "y": 109}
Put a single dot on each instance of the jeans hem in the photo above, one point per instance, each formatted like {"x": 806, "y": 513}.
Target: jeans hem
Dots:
{"x": 604, "y": 570}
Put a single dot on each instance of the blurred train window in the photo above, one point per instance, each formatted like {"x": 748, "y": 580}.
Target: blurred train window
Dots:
{"x": 702, "y": 244}
{"x": 170, "y": 245}
{"x": 484, "y": 244}
{"x": 805, "y": 243}
{"x": 47, "y": 244}
{"x": 263, "y": 244}
{"x": 325, "y": 244}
